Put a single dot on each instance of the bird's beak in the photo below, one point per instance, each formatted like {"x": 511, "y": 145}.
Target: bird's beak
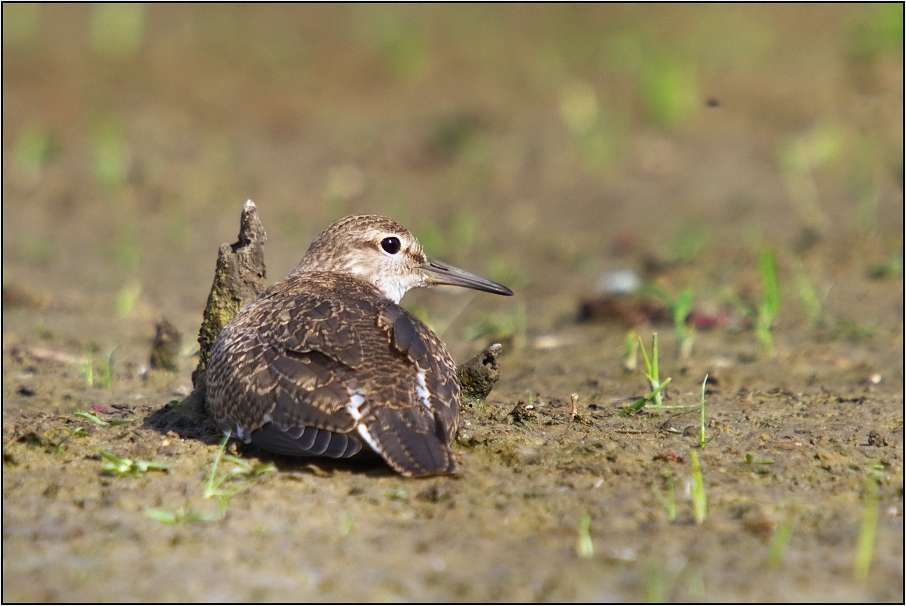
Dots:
{"x": 438, "y": 273}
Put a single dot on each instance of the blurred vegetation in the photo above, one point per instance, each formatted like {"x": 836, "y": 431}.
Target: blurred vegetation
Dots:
{"x": 20, "y": 23}
{"x": 670, "y": 92}
{"x": 117, "y": 29}
{"x": 111, "y": 151}
{"x": 455, "y": 107}
{"x": 34, "y": 149}
{"x": 402, "y": 46}
{"x": 878, "y": 30}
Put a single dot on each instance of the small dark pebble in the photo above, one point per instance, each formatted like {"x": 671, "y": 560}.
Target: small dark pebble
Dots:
{"x": 520, "y": 414}
{"x": 876, "y": 439}
{"x": 433, "y": 494}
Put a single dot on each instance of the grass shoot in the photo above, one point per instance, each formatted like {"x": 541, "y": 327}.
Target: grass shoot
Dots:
{"x": 749, "y": 459}
{"x": 88, "y": 367}
{"x": 346, "y": 523}
{"x": 214, "y": 487}
{"x": 668, "y": 500}
{"x": 652, "y": 372}
{"x": 101, "y": 422}
{"x": 770, "y": 299}
{"x": 701, "y": 438}
{"x": 696, "y": 490}
{"x": 680, "y": 308}
{"x": 631, "y": 352}
{"x": 779, "y": 541}
{"x": 71, "y": 432}
{"x": 868, "y": 530}
{"x": 107, "y": 371}
{"x": 181, "y": 516}
{"x": 127, "y": 467}
{"x": 809, "y": 296}
{"x": 584, "y": 547}
{"x": 128, "y": 296}
{"x": 657, "y": 583}
{"x": 34, "y": 148}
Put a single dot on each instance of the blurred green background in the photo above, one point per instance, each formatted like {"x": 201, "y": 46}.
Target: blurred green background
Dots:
{"x": 731, "y": 157}
{"x": 519, "y": 140}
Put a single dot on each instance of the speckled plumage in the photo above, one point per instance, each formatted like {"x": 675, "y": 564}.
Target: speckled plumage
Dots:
{"x": 327, "y": 359}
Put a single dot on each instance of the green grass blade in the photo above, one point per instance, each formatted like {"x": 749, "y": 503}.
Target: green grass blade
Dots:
{"x": 701, "y": 438}
{"x": 584, "y": 547}
{"x": 868, "y": 531}
{"x": 697, "y": 491}
{"x": 779, "y": 541}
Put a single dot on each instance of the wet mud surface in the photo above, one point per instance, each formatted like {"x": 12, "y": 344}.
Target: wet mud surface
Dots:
{"x": 531, "y": 146}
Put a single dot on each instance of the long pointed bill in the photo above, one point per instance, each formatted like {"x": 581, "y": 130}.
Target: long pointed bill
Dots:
{"x": 438, "y": 273}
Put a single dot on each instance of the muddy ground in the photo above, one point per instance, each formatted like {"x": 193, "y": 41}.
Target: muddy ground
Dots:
{"x": 542, "y": 146}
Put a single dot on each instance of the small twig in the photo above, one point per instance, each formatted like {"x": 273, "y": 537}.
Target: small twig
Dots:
{"x": 573, "y": 400}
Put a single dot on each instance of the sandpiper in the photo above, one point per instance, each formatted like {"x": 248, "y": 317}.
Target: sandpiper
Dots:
{"x": 326, "y": 359}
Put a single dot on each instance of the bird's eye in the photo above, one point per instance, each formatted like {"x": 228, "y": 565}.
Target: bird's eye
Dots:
{"x": 391, "y": 245}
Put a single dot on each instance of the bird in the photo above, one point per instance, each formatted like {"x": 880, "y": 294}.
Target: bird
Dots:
{"x": 326, "y": 360}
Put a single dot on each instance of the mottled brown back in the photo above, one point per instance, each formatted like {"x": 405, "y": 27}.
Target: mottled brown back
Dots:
{"x": 322, "y": 361}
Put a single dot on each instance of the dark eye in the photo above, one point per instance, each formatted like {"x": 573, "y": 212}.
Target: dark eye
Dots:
{"x": 391, "y": 245}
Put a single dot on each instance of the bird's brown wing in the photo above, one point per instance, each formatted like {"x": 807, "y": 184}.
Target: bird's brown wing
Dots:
{"x": 269, "y": 368}
{"x": 412, "y": 408}
{"x": 337, "y": 359}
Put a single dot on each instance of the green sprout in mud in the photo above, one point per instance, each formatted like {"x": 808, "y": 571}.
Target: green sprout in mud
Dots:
{"x": 128, "y": 467}
{"x": 668, "y": 500}
{"x": 680, "y": 308}
{"x": 34, "y": 147}
{"x": 71, "y": 432}
{"x": 98, "y": 421}
{"x": 653, "y": 375}
{"x": 128, "y": 295}
{"x": 584, "y": 547}
{"x": 658, "y": 582}
{"x": 770, "y": 299}
{"x": 749, "y": 459}
{"x": 779, "y": 541}
{"x": 397, "y": 494}
{"x": 214, "y": 485}
{"x": 631, "y": 352}
{"x": 696, "y": 488}
{"x": 670, "y": 93}
{"x": 868, "y": 530}
{"x": 701, "y": 436}
{"x": 346, "y": 523}
{"x": 809, "y": 296}
{"x": 88, "y": 369}
{"x": 181, "y": 516}
{"x": 107, "y": 376}
{"x": 652, "y": 372}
